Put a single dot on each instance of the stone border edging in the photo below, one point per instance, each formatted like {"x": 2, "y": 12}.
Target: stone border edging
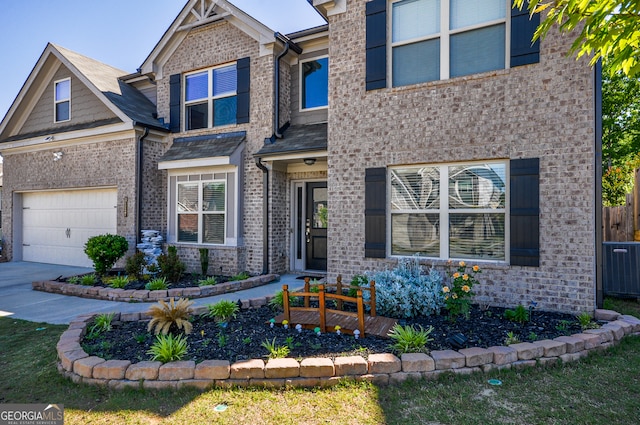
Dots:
{"x": 143, "y": 295}
{"x": 382, "y": 369}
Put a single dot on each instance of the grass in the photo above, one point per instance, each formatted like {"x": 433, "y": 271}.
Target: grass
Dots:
{"x": 602, "y": 389}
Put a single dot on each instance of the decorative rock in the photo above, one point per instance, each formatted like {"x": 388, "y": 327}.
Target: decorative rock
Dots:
{"x": 448, "y": 359}
{"x": 247, "y": 369}
{"x": 417, "y": 362}
{"x": 316, "y": 367}
{"x": 143, "y": 370}
{"x": 352, "y": 365}
{"x": 476, "y": 356}
{"x": 282, "y": 368}
{"x": 503, "y": 355}
{"x": 174, "y": 371}
{"x": 213, "y": 369}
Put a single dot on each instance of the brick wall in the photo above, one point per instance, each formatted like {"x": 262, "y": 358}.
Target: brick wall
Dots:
{"x": 543, "y": 110}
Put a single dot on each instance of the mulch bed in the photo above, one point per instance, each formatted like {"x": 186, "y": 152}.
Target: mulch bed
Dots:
{"x": 243, "y": 336}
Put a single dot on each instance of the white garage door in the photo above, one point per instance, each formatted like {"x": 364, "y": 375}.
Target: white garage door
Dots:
{"x": 56, "y": 225}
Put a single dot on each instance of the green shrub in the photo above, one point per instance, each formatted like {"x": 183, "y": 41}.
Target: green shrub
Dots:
{"x": 223, "y": 310}
{"x": 105, "y": 250}
{"x": 171, "y": 267}
{"x": 74, "y": 280}
{"x": 119, "y": 281}
{"x": 88, "y": 280}
{"x": 586, "y": 321}
{"x": 210, "y": 281}
{"x": 356, "y": 281}
{"x": 157, "y": 284}
{"x": 520, "y": 314}
{"x": 165, "y": 316}
{"x": 277, "y": 302}
{"x": 101, "y": 323}
{"x": 276, "y": 352}
{"x": 408, "y": 339}
{"x": 168, "y": 348}
{"x": 136, "y": 264}
{"x": 240, "y": 276}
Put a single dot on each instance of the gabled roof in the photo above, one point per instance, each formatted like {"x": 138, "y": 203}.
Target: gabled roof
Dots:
{"x": 204, "y": 150}
{"x": 297, "y": 139}
{"x": 202, "y": 12}
{"x": 102, "y": 80}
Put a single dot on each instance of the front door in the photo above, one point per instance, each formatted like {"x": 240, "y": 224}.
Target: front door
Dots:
{"x": 316, "y": 226}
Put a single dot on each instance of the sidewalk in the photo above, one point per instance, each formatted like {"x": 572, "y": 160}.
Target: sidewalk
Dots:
{"x": 18, "y": 300}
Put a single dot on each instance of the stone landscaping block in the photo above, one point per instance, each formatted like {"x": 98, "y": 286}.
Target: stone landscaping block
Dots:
{"x": 503, "y": 355}
{"x": 590, "y": 340}
{"x": 84, "y": 366}
{"x": 65, "y": 345}
{"x": 632, "y": 320}
{"x": 434, "y": 374}
{"x": 122, "y": 384}
{"x": 399, "y": 377}
{"x": 213, "y": 369}
{"x": 111, "y": 369}
{"x": 141, "y": 294}
{"x": 282, "y": 368}
{"x": 476, "y": 356}
{"x": 352, "y": 365}
{"x": 232, "y": 383}
{"x": 174, "y": 371}
{"x": 143, "y": 370}
{"x": 521, "y": 364}
{"x": 68, "y": 358}
{"x": 606, "y": 335}
{"x": 317, "y": 367}
{"x": 384, "y": 363}
{"x": 257, "y": 302}
{"x": 104, "y": 293}
{"x": 174, "y": 292}
{"x": 199, "y": 310}
{"x": 129, "y": 317}
{"x": 72, "y": 334}
{"x": 115, "y": 293}
{"x": 201, "y": 384}
{"x": 548, "y": 361}
{"x": 448, "y": 359}
{"x": 245, "y": 304}
{"x": 126, "y": 294}
{"x": 267, "y": 383}
{"x": 486, "y": 368}
{"x": 95, "y": 382}
{"x": 157, "y": 295}
{"x": 527, "y": 350}
{"x": 626, "y": 326}
{"x": 466, "y": 370}
{"x": 209, "y": 290}
{"x": 377, "y": 379}
{"x": 573, "y": 344}
{"x": 191, "y": 292}
{"x": 93, "y": 290}
{"x": 160, "y": 385}
{"x": 37, "y": 285}
{"x": 247, "y": 369}
{"x": 552, "y": 348}
{"x": 608, "y": 315}
{"x": 417, "y": 362}
{"x": 616, "y": 330}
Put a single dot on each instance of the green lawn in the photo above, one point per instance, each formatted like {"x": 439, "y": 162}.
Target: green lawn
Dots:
{"x": 603, "y": 389}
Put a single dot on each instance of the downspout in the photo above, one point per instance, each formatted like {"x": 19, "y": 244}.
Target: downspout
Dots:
{"x": 139, "y": 184}
{"x": 276, "y": 120}
{"x": 597, "y": 90}
{"x": 265, "y": 215}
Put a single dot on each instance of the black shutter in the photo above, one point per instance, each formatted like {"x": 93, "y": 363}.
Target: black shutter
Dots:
{"x": 375, "y": 217}
{"x": 175, "y": 92}
{"x": 376, "y": 46}
{"x": 523, "y": 52}
{"x": 525, "y": 212}
{"x": 244, "y": 82}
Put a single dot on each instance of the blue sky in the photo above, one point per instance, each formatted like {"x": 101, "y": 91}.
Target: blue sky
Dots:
{"x": 120, "y": 33}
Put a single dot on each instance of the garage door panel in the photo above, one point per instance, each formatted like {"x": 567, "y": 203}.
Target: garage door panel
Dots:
{"x": 56, "y": 225}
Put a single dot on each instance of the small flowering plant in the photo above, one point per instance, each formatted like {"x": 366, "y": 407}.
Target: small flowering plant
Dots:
{"x": 457, "y": 295}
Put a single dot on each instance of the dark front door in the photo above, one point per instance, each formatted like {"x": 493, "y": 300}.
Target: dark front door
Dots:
{"x": 316, "y": 226}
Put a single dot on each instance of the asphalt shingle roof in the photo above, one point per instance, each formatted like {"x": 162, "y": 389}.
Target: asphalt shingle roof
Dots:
{"x": 206, "y": 146}
{"x": 298, "y": 138}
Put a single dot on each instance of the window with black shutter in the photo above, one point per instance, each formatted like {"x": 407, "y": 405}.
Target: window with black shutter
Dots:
{"x": 525, "y": 212}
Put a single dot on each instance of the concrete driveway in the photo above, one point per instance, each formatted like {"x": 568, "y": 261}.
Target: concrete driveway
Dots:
{"x": 18, "y": 300}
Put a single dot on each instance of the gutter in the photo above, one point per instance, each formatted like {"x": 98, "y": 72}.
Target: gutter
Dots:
{"x": 265, "y": 215}
{"x": 288, "y": 44}
{"x": 597, "y": 94}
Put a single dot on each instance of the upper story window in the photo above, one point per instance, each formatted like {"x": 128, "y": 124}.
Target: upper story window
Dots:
{"x": 441, "y": 39}
{"x": 314, "y": 83}
{"x": 210, "y": 98}
{"x": 62, "y": 100}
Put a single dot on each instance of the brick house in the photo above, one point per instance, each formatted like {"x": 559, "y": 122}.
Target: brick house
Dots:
{"x": 379, "y": 113}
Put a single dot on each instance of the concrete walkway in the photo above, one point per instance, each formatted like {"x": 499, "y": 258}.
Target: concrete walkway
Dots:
{"x": 18, "y": 300}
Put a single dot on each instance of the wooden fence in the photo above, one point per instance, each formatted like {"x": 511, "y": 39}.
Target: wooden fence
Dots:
{"x": 617, "y": 222}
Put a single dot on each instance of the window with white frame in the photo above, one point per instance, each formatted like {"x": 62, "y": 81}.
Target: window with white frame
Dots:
{"x": 449, "y": 211}
{"x": 314, "y": 83}
{"x": 441, "y": 39}
{"x": 210, "y": 97}
{"x": 62, "y": 100}
{"x": 201, "y": 208}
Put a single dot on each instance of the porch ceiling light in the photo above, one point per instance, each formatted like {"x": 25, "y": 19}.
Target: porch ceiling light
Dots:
{"x": 309, "y": 161}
